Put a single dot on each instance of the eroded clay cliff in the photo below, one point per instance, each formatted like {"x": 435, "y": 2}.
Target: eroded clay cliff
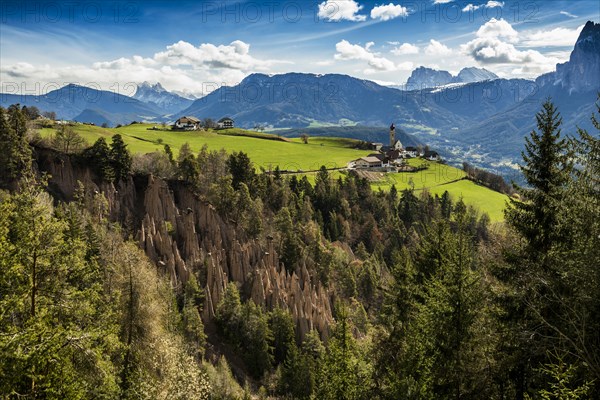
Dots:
{"x": 181, "y": 233}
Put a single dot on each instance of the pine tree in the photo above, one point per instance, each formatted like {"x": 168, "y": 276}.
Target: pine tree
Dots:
{"x": 282, "y": 326}
{"x": 98, "y": 157}
{"x": 341, "y": 376}
{"x": 120, "y": 158}
{"x": 15, "y": 157}
{"x": 546, "y": 171}
{"x": 241, "y": 169}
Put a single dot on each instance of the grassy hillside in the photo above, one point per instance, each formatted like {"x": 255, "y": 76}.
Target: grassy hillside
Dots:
{"x": 436, "y": 179}
{"x": 267, "y": 150}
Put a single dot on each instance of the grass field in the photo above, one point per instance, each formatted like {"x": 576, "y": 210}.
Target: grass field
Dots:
{"x": 288, "y": 154}
{"x": 268, "y": 151}
{"x": 436, "y": 179}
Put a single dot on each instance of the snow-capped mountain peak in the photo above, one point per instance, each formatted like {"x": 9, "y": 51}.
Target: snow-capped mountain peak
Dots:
{"x": 158, "y": 96}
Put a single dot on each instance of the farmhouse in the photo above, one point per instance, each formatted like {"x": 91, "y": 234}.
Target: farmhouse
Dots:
{"x": 368, "y": 162}
{"x": 432, "y": 155}
{"x": 380, "y": 156}
{"x": 376, "y": 146}
{"x": 411, "y": 152}
{"x": 225, "y": 123}
{"x": 395, "y": 156}
{"x": 187, "y": 123}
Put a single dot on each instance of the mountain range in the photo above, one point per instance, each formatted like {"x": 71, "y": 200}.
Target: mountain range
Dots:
{"x": 85, "y": 104}
{"x": 473, "y": 116}
{"x": 423, "y": 77}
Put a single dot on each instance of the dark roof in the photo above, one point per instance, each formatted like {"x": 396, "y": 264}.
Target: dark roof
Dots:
{"x": 193, "y": 119}
{"x": 379, "y": 156}
{"x": 411, "y": 148}
{"x": 225, "y": 119}
{"x": 393, "y": 154}
{"x": 431, "y": 154}
{"x": 370, "y": 159}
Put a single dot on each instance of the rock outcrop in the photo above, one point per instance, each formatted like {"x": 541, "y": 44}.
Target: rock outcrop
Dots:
{"x": 181, "y": 234}
{"x": 582, "y": 72}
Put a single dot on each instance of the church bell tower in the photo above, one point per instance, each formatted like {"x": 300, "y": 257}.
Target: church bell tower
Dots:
{"x": 392, "y": 135}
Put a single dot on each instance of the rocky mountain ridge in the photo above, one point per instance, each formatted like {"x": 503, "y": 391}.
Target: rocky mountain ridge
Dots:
{"x": 157, "y": 96}
{"x": 426, "y": 78}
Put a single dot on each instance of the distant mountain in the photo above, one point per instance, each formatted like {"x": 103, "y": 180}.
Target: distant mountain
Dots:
{"x": 424, "y": 77}
{"x": 582, "y": 72}
{"x": 298, "y": 100}
{"x": 473, "y": 74}
{"x": 158, "y": 97}
{"x": 96, "y": 117}
{"x": 72, "y": 100}
{"x": 498, "y": 140}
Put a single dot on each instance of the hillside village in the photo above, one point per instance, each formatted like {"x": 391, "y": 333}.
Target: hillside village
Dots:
{"x": 392, "y": 158}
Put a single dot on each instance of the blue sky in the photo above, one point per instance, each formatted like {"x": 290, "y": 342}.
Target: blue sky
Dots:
{"x": 194, "y": 46}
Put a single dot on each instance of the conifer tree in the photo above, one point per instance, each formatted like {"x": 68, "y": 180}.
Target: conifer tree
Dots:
{"x": 15, "y": 156}
{"x": 120, "y": 158}
{"x": 98, "y": 157}
{"x": 546, "y": 171}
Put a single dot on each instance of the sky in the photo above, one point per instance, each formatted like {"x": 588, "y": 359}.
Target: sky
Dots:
{"x": 193, "y": 47}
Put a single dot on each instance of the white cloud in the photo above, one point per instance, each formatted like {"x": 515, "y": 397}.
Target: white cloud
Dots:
{"x": 338, "y": 10}
{"x": 558, "y": 37}
{"x": 435, "y": 48}
{"x": 348, "y": 51}
{"x": 471, "y": 7}
{"x": 442, "y": 1}
{"x": 324, "y": 63}
{"x": 377, "y": 63}
{"x": 405, "y": 66}
{"x": 568, "y": 14}
{"x": 181, "y": 66}
{"x": 236, "y": 55}
{"x": 495, "y": 44}
{"x": 492, "y": 4}
{"x": 387, "y": 12}
{"x": 498, "y": 29}
{"x": 405, "y": 48}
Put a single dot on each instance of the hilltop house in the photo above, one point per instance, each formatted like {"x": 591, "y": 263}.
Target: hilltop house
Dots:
{"x": 225, "y": 123}
{"x": 187, "y": 123}
{"x": 368, "y": 162}
{"x": 411, "y": 152}
{"x": 432, "y": 156}
{"x": 395, "y": 156}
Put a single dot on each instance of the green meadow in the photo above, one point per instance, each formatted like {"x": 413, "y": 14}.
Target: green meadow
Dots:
{"x": 268, "y": 151}
{"x": 437, "y": 179}
{"x": 265, "y": 150}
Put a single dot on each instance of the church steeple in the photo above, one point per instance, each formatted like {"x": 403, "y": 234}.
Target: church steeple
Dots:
{"x": 392, "y": 135}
